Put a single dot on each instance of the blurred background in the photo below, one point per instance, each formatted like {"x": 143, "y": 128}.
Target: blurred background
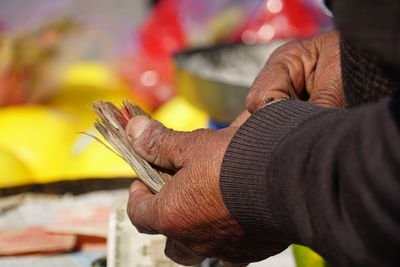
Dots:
{"x": 188, "y": 63}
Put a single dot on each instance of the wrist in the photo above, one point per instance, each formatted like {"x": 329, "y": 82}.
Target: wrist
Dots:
{"x": 246, "y": 181}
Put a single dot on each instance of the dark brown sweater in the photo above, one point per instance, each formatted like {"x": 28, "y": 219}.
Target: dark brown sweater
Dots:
{"x": 329, "y": 178}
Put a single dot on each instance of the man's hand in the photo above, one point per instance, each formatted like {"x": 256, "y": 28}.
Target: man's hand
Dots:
{"x": 189, "y": 209}
{"x": 308, "y": 70}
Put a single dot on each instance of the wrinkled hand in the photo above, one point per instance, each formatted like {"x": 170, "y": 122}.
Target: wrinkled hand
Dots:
{"x": 308, "y": 70}
{"x": 189, "y": 209}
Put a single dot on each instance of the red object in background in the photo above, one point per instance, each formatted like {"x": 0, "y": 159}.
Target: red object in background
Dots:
{"x": 281, "y": 19}
{"x": 13, "y": 91}
{"x": 150, "y": 78}
{"x": 162, "y": 34}
{"x": 149, "y": 70}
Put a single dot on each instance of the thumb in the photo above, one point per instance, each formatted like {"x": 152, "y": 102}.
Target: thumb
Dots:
{"x": 159, "y": 145}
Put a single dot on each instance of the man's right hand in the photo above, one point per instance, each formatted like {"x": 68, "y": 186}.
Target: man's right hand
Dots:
{"x": 308, "y": 70}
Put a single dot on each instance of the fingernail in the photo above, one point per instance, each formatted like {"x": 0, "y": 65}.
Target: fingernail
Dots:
{"x": 136, "y": 126}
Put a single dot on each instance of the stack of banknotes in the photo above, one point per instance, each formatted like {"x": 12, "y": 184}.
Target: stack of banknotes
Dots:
{"x": 111, "y": 123}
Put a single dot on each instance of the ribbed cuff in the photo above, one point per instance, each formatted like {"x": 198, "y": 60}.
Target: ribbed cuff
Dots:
{"x": 244, "y": 177}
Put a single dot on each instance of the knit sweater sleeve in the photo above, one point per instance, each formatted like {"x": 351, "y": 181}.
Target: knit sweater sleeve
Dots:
{"x": 325, "y": 178}
{"x": 370, "y": 48}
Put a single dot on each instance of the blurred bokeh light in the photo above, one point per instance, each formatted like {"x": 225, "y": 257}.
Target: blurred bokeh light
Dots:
{"x": 58, "y": 56}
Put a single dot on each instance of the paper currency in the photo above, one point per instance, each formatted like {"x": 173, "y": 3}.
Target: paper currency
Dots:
{"x": 34, "y": 240}
{"x": 88, "y": 221}
{"x": 127, "y": 247}
{"x": 41, "y": 210}
{"x": 111, "y": 124}
{"x": 72, "y": 259}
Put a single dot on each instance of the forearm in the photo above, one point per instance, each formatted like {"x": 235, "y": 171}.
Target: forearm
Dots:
{"x": 313, "y": 176}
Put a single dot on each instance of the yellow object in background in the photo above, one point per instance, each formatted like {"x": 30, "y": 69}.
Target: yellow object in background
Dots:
{"x": 38, "y": 136}
{"x": 45, "y": 139}
{"x": 41, "y": 144}
{"x": 180, "y": 115}
{"x": 91, "y": 159}
{"x": 83, "y": 84}
{"x": 13, "y": 171}
{"x": 306, "y": 257}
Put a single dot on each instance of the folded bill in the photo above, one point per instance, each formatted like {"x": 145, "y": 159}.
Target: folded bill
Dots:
{"x": 127, "y": 247}
{"x": 111, "y": 123}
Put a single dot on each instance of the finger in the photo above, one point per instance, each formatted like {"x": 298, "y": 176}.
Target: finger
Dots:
{"x": 330, "y": 98}
{"x": 179, "y": 253}
{"x": 327, "y": 89}
{"x": 161, "y": 146}
{"x": 265, "y": 88}
{"x": 142, "y": 208}
{"x": 241, "y": 119}
{"x": 328, "y": 92}
{"x": 283, "y": 76}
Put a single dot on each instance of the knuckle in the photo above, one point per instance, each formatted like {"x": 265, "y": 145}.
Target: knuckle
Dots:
{"x": 169, "y": 142}
{"x": 297, "y": 53}
{"x": 180, "y": 149}
{"x": 173, "y": 216}
{"x": 156, "y": 211}
{"x": 152, "y": 142}
{"x": 189, "y": 143}
{"x": 167, "y": 220}
{"x": 286, "y": 47}
{"x": 332, "y": 97}
{"x": 167, "y": 224}
{"x": 295, "y": 47}
{"x": 143, "y": 215}
{"x": 133, "y": 211}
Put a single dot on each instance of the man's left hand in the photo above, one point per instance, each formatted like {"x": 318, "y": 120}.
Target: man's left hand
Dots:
{"x": 189, "y": 209}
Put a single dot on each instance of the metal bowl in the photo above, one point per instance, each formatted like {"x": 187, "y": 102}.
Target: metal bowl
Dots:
{"x": 216, "y": 79}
